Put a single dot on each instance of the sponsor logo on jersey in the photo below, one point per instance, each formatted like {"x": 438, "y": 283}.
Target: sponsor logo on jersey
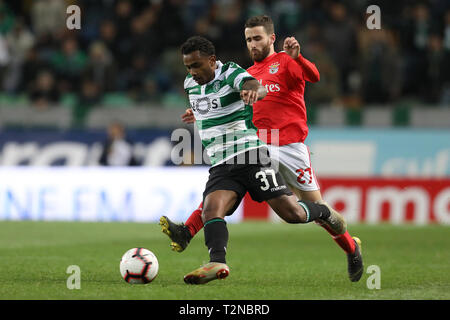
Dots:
{"x": 204, "y": 105}
{"x": 273, "y": 87}
{"x": 273, "y": 68}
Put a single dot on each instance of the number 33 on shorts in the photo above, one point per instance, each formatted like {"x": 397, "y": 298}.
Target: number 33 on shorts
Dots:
{"x": 301, "y": 178}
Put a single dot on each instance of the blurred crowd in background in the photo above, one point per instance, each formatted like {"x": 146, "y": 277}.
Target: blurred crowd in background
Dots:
{"x": 128, "y": 51}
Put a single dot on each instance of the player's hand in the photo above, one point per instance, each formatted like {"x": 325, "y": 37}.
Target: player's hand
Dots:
{"x": 249, "y": 96}
{"x": 291, "y": 47}
{"x": 188, "y": 116}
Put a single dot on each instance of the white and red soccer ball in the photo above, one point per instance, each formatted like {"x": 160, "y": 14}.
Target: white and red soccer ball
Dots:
{"x": 139, "y": 266}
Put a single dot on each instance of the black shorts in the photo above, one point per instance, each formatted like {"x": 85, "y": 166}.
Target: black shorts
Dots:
{"x": 260, "y": 180}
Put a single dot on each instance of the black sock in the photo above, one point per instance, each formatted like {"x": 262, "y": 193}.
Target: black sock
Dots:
{"x": 314, "y": 210}
{"x": 216, "y": 239}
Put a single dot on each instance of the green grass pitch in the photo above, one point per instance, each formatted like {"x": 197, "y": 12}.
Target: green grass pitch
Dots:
{"x": 267, "y": 261}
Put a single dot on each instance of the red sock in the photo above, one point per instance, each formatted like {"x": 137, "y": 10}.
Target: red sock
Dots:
{"x": 344, "y": 240}
{"x": 195, "y": 222}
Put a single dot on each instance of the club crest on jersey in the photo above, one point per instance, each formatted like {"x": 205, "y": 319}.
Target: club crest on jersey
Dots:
{"x": 216, "y": 86}
{"x": 273, "y": 68}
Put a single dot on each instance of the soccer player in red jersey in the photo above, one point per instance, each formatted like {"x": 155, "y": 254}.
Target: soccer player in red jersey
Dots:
{"x": 282, "y": 123}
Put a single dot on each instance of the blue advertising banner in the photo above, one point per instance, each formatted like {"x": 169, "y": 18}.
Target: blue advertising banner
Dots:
{"x": 138, "y": 194}
{"x": 79, "y": 147}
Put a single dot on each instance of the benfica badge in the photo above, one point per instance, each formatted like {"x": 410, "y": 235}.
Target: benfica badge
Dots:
{"x": 273, "y": 68}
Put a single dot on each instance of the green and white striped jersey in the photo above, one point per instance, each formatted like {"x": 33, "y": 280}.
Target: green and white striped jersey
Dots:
{"x": 224, "y": 122}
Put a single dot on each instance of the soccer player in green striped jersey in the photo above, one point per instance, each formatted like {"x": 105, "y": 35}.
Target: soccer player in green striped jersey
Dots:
{"x": 221, "y": 96}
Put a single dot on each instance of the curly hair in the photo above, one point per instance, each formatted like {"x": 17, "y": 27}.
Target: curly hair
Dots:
{"x": 203, "y": 45}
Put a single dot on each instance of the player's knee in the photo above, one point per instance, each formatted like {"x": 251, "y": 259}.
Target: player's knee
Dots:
{"x": 209, "y": 212}
{"x": 214, "y": 209}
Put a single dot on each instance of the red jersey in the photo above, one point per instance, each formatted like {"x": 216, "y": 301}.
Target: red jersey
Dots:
{"x": 283, "y": 107}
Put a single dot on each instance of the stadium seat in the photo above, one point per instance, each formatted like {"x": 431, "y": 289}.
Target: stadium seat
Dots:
{"x": 116, "y": 99}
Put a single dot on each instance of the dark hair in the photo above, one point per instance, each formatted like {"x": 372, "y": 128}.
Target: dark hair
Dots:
{"x": 262, "y": 20}
{"x": 201, "y": 44}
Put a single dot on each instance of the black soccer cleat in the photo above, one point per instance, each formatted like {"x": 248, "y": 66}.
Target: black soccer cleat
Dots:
{"x": 355, "y": 262}
{"x": 178, "y": 233}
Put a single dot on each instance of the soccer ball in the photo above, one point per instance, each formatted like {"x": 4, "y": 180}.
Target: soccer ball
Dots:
{"x": 139, "y": 266}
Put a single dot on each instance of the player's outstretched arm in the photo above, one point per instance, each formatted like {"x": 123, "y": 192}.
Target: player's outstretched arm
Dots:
{"x": 309, "y": 69}
{"x": 252, "y": 91}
